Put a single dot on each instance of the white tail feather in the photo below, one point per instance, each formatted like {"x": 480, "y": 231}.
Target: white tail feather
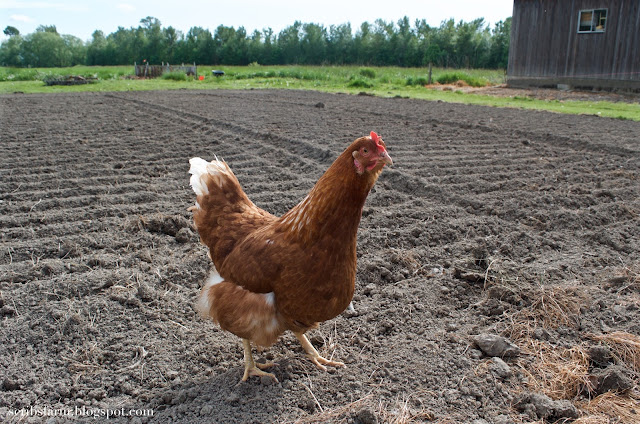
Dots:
{"x": 197, "y": 170}
{"x": 200, "y": 168}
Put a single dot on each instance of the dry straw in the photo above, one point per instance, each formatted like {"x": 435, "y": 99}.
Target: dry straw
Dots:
{"x": 550, "y": 307}
{"x": 397, "y": 411}
{"x": 560, "y": 373}
{"x": 611, "y": 407}
{"x": 563, "y": 373}
{"x": 625, "y": 348}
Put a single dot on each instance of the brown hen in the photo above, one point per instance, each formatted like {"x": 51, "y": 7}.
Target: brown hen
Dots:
{"x": 288, "y": 273}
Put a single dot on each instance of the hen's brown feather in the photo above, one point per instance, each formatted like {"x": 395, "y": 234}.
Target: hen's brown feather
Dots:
{"x": 244, "y": 313}
{"x": 226, "y": 217}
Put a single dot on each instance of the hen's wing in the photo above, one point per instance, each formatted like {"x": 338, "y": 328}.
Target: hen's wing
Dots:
{"x": 223, "y": 214}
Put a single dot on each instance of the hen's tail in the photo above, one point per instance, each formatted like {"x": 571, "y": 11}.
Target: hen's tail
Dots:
{"x": 201, "y": 171}
{"x": 215, "y": 185}
{"x": 223, "y": 213}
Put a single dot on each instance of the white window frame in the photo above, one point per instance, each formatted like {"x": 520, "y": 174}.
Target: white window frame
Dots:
{"x": 593, "y": 24}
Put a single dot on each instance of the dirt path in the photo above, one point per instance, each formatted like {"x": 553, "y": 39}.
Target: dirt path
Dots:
{"x": 541, "y": 93}
{"x": 485, "y": 212}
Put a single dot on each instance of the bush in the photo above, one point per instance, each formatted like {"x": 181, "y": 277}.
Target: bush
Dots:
{"x": 106, "y": 74}
{"x": 368, "y": 73}
{"x": 453, "y": 77}
{"x": 175, "y": 76}
{"x": 18, "y": 74}
{"x": 360, "y": 83}
{"x": 417, "y": 81}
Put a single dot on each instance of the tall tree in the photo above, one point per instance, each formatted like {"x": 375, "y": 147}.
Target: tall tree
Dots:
{"x": 313, "y": 44}
{"x": 270, "y": 47}
{"x": 404, "y": 45}
{"x": 47, "y": 28}
{"x": 364, "y": 45}
{"x": 170, "y": 41}
{"x": 200, "y": 46}
{"x": 121, "y": 47}
{"x": 97, "y": 50}
{"x": 151, "y": 40}
{"x": 499, "y": 50}
{"x": 45, "y": 48}
{"x": 11, "y": 31}
{"x": 383, "y": 53}
{"x": 340, "y": 44}
{"x": 445, "y": 39}
{"x": 11, "y": 52}
{"x": 289, "y": 44}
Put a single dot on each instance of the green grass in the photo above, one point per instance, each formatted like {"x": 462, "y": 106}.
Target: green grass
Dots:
{"x": 175, "y": 76}
{"x": 41, "y": 74}
{"x": 453, "y": 77}
{"x": 417, "y": 81}
{"x": 379, "y": 81}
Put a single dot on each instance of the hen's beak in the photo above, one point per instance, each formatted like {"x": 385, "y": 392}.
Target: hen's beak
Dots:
{"x": 385, "y": 158}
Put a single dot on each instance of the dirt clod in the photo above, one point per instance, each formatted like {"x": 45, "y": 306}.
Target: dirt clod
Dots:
{"x": 165, "y": 224}
{"x": 494, "y": 345}
{"x": 600, "y": 356}
{"x": 540, "y": 406}
{"x": 614, "y": 378}
{"x": 366, "y": 416}
{"x": 500, "y": 368}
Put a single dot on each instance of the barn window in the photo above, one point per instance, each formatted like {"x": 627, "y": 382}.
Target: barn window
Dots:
{"x": 594, "y": 20}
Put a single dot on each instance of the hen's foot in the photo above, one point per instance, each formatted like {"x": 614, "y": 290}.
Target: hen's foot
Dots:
{"x": 313, "y": 354}
{"x": 256, "y": 370}
{"x": 253, "y": 369}
{"x": 321, "y": 362}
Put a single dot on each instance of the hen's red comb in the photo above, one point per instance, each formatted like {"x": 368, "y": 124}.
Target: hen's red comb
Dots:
{"x": 377, "y": 139}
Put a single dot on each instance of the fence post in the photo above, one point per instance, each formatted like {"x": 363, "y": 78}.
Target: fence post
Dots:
{"x": 429, "y": 79}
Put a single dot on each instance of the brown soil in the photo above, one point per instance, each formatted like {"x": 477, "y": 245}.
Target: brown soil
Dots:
{"x": 486, "y": 214}
{"x": 540, "y": 93}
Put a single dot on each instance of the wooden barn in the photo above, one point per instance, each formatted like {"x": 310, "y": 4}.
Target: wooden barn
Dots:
{"x": 592, "y": 44}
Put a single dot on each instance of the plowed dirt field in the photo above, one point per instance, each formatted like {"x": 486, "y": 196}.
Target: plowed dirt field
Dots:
{"x": 491, "y": 221}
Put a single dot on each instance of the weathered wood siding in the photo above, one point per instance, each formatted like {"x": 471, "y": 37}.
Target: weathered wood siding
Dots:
{"x": 546, "y": 47}
{"x": 155, "y": 71}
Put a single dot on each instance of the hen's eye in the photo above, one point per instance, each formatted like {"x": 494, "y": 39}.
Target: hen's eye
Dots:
{"x": 365, "y": 151}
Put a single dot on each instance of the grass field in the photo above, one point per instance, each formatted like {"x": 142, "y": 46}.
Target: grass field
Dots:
{"x": 384, "y": 82}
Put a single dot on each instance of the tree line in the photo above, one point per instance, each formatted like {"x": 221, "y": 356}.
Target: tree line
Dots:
{"x": 455, "y": 45}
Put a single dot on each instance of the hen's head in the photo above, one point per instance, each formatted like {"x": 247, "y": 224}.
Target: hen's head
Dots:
{"x": 370, "y": 154}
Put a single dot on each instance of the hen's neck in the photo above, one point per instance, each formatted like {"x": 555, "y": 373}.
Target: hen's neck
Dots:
{"x": 334, "y": 204}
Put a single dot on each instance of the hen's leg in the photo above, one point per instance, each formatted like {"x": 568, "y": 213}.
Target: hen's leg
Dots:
{"x": 313, "y": 354}
{"x": 250, "y": 367}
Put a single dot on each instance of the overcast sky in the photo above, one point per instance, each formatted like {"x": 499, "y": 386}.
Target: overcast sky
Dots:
{"x": 82, "y": 17}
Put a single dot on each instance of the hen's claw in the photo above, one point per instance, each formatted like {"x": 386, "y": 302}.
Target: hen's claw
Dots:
{"x": 313, "y": 354}
{"x": 321, "y": 362}
{"x": 251, "y": 368}
{"x": 256, "y": 370}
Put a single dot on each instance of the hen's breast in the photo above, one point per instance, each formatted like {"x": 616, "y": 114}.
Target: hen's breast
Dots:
{"x": 316, "y": 284}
